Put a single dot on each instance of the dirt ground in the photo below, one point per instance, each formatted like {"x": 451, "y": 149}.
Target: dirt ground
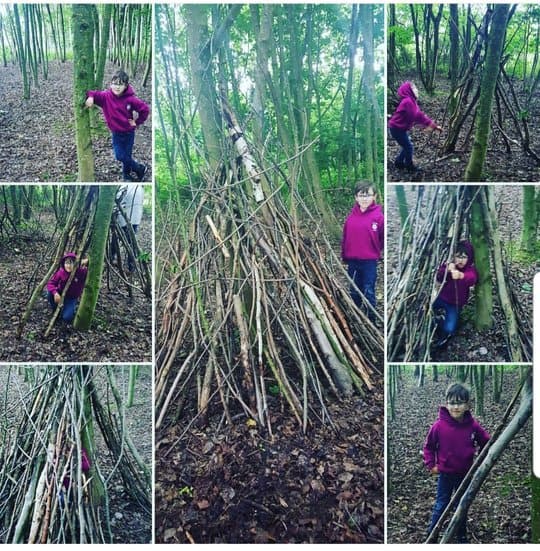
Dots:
{"x": 129, "y": 522}
{"x": 438, "y": 166}
{"x": 469, "y": 344}
{"x": 224, "y": 484}
{"x": 501, "y": 511}
{"x": 120, "y": 332}
{"x": 38, "y": 134}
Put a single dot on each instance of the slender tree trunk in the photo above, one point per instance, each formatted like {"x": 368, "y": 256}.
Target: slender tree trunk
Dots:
{"x": 488, "y": 84}
{"x": 202, "y": 81}
{"x": 483, "y": 288}
{"x": 96, "y": 254}
{"x": 529, "y": 226}
{"x": 83, "y": 72}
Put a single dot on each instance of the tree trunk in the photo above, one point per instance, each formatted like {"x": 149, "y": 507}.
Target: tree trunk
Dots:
{"x": 488, "y": 84}
{"x": 483, "y": 288}
{"x": 202, "y": 81}
{"x": 83, "y": 73}
{"x": 96, "y": 254}
{"x": 529, "y": 227}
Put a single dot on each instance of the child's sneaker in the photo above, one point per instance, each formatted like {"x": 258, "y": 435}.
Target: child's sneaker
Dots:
{"x": 141, "y": 173}
{"x": 443, "y": 341}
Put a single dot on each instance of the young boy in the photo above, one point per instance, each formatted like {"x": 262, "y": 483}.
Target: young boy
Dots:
{"x": 123, "y": 112}
{"x": 458, "y": 276}
{"x": 362, "y": 243}
{"x": 58, "y": 281}
{"x": 450, "y": 448}
{"x": 404, "y": 118}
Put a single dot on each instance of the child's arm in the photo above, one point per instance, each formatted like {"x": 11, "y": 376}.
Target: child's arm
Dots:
{"x": 482, "y": 435}
{"x": 140, "y": 111}
{"x": 430, "y": 449}
{"x": 470, "y": 276}
{"x": 94, "y": 97}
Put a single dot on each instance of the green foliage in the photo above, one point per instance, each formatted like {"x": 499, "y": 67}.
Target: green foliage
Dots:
{"x": 179, "y": 144}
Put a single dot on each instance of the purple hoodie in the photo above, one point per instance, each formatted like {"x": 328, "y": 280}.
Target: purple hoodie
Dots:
{"x": 117, "y": 110}
{"x": 456, "y": 291}
{"x": 451, "y": 445}
{"x": 408, "y": 113}
{"x": 363, "y": 234}
{"x": 59, "y": 279}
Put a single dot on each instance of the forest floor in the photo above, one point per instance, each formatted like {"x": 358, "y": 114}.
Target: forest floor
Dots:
{"x": 437, "y": 166}
{"x": 468, "y": 344}
{"x": 121, "y": 330}
{"x": 129, "y": 522}
{"x": 38, "y": 134}
{"x": 224, "y": 484}
{"x": 501, "y": 511}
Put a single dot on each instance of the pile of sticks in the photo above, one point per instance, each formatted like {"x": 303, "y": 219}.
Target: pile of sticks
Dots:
{"x": 46, "y": 494}
{"x": 256, "y": 308}
{"x": 439, "y": 219}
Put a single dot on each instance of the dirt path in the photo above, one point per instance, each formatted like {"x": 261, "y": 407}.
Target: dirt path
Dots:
{"x": 38, "y": 134}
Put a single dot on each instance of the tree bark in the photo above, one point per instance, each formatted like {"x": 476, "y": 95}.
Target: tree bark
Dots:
{"x": 488, "y": 84}
{"x": 96, "y": 254}
{"x": 83, "y": 73}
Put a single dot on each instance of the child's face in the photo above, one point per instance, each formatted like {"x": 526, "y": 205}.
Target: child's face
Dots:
{"x": 68, "y": 265}
{"x": 457, "y": 408}
{"x": 414, "y": 89}
{"x": 460, "y": 260}
{"x": 118, "y": 88}
{"x": 365, "y": 199}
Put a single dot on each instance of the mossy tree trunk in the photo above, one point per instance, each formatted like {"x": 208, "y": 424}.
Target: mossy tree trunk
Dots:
{"x": 473, "y": 172}
{"x": 96, "y": 255}
{"x": 529, "y": 228}
{"x": 83, "y": 80}
{"x": 483, "y": 288}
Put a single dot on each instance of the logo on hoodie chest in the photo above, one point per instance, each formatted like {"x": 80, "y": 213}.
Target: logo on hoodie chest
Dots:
{"x": 374, "y": 226}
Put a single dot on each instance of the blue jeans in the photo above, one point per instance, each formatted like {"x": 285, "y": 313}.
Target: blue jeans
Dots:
{"x": 364, "y": 275}
{"x": 447, "y": 484}
{"x": 122, "y": 143}
{"x": 448, "y": 325}
{"x": 69, "y": 308}
{"x": 407, "y": 149}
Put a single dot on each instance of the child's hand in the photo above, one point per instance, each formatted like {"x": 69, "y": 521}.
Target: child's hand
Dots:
{"x": 132, "y": 122}
{"x": 84, "y": 262}
{"x": 89, "y": 102}
{"x": 456, "y": 274}
{"x": 434, "y": 470}
{"x": 56, "y": 298}
{"x": 451, "y": 267}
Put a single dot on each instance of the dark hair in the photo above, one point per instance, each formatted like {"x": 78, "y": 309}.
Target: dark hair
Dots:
{"x": 459, "y": 392}
{"x": 120, "y": 77}
{"x": 363, "y": 186}
{"x": 461, "y": 248}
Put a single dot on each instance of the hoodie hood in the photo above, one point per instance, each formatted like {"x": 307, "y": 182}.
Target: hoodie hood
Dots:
{"x": 445, "y": 417}
{"x": 372, "y": 208}
{"x": 68, "y": 255}
{"x": 127, "y": 92}
{"x": 406, "y": 91}
{"x": 469, "y": 249}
